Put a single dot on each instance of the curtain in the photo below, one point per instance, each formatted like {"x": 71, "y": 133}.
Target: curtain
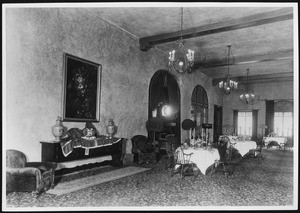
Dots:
{"x": 158, "y": 90}
{"x": 235, "y": 121}
{"x": 283, "y": 106}
{"x": 269, "y": 116}
{"x": 164, "y": 88}
{"x": 199, "y": 97}
{"x": 173, "y": 94}
{"x": 254, "y": 124}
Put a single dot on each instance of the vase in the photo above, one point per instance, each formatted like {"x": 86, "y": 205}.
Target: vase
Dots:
{"x": 110, "y": 128}
{"x": 58, "y": 129}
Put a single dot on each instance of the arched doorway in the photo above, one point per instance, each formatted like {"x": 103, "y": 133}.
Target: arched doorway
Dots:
{"x": 199, "y": 109}
{"x": 164, "y": 103}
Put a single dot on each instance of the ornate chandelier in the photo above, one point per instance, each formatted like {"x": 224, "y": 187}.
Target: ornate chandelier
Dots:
{"x": 248, "y": 96}
{"x": 227, "y": 86}
{"x": 182, "y": 59}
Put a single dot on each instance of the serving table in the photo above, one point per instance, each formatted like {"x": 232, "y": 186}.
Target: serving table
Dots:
{"x": 203, "y": 157}
{"x": 280, "y": 140}
{"x": 73, "y": 153}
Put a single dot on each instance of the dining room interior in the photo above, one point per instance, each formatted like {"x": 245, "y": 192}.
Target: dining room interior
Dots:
{"x": 202, "y": 97}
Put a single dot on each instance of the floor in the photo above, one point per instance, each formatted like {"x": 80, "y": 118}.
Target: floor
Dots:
{"x": 266, "y": 183}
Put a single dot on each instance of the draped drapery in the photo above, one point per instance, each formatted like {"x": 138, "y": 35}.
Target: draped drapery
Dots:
{"x": 164, "y": 90}
{"x": 235, "y": 120}
{"x": 157, "y": 90}
{"x": 173, "y": 93}
{"x": 199, "y": 97}
{"x": 199, "y": 108}
{"x": 254, "y": 124}
{"x": 269, "y": 116}
{"x": 283, "y": 106}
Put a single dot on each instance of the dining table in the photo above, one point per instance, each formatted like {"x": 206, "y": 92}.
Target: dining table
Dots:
{"x": 203, "y": 157}
{"x": 244, "y": 146}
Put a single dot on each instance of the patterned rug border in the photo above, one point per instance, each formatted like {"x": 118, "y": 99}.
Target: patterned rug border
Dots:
{"x": 82, "y": 183}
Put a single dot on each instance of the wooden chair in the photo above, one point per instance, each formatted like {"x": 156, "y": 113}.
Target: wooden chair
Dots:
{"x": 171, "y": 145}
{"x": 289, "y": 144}
{"x": 143, "y": 150}
{"x": 183, "y": 164}
{"x": 225, "y": 149}
{"x": 257, "y": 153}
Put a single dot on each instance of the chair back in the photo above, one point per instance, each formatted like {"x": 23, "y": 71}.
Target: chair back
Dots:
{"x": 181, "y": 157}
{"x": 140, "y": 142}
{"x": 187, "y": 158}
{"x": 171, "y": 144}
{"x": 15, "y": 159}
{"x": 224, "y": 142}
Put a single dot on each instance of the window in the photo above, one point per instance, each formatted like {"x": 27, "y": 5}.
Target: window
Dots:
{"x": 283, "y": 123}
{"x": 199, "y": 108}
{"x": 245, "y": 123}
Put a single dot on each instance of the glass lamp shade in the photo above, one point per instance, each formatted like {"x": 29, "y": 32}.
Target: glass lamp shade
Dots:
{"x": 228, "y": 86}
{"x": 247, "y": 98}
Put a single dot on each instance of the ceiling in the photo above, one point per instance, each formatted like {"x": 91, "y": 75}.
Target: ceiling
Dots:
{"x": 261, "y": 38}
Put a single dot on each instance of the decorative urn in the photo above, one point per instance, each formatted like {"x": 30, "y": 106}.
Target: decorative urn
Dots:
{"x": 58, "y": 129}
{"x": 110, "y": 128}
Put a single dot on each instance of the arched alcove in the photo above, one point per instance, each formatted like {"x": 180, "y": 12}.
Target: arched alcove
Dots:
{"x": 199, "y": 108}
{"x": 164, "y": 91}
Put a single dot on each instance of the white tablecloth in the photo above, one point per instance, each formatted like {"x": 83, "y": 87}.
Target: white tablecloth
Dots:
{"x": 279, "y": 140}
{"x": 202, "y": 157}
{"x": 244, "y": 146}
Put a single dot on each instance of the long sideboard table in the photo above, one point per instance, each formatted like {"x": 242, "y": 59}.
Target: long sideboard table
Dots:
{"x": 80, "y": 155}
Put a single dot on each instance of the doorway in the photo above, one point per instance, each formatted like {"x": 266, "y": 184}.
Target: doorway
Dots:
{"x": 218, "y": 113}
{"x": 164, "y": 104}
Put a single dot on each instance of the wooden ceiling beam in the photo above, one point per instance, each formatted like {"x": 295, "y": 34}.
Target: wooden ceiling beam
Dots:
{"x": 255, "y": 79}
{"x": 250, "y": 60}
{"x": 250, "y": 21}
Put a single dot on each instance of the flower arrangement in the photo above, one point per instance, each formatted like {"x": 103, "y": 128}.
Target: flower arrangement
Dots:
{"x": 272, "y": 134}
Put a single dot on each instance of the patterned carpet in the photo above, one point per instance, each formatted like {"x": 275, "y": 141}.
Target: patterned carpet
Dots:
{"x": 95, "y": 179}
{"x": 254, "y": 183}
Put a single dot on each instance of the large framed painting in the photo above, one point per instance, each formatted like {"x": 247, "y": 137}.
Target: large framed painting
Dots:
{"x": 81, "y": 89}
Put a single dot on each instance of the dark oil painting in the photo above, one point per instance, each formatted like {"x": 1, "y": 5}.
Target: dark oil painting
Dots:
{"x": 81, "y": 89}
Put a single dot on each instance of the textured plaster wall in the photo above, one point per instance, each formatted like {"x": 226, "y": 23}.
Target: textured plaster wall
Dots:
{"x": 35, "y": 41}
{"x": 269, "y": 91}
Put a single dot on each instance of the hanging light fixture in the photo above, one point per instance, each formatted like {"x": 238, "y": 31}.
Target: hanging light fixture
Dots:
{"x": 248, "y": 96}
{"x": 227, "y": 86}
{"x": 181, "y": 60}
